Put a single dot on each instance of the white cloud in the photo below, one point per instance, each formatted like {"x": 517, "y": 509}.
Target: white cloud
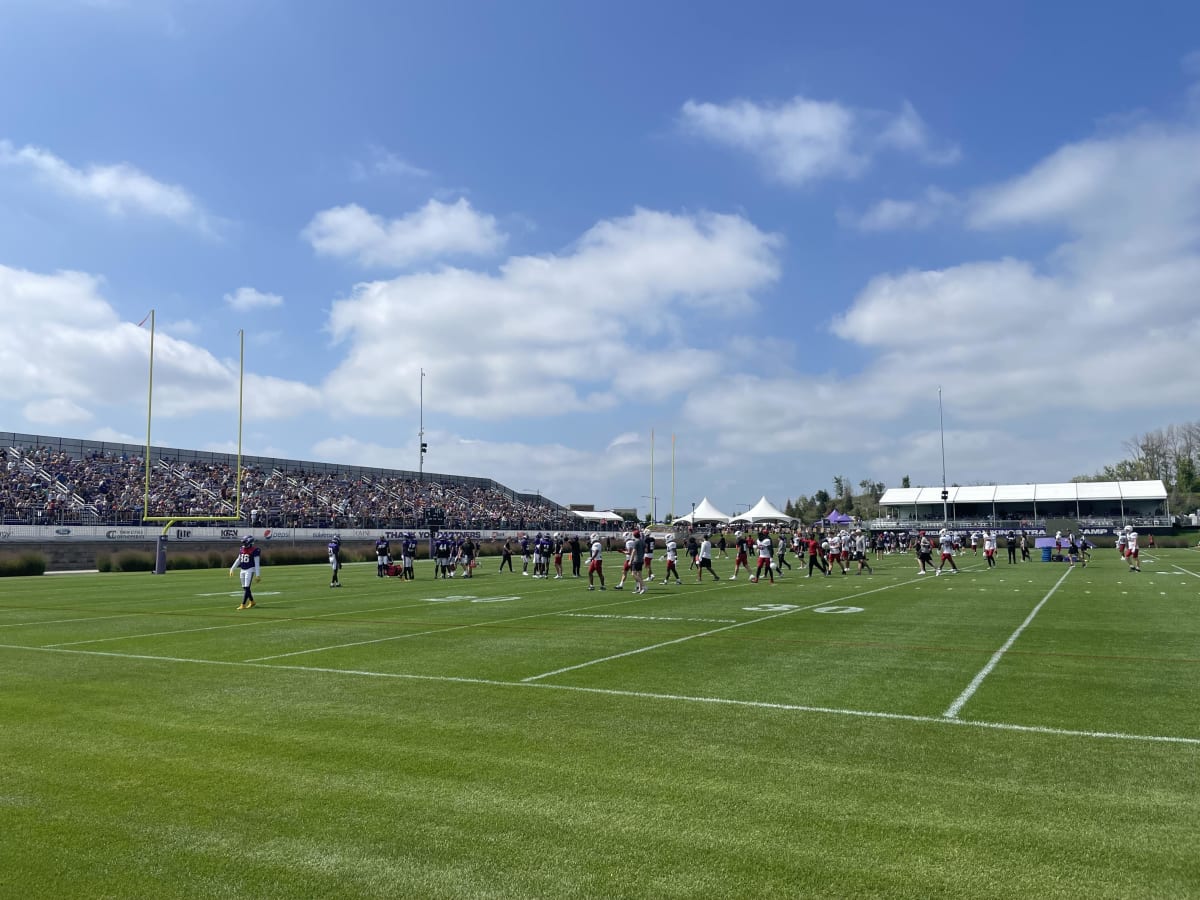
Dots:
{"x": 908, "y": 132}
{"x": 181, "y": 328}
{"x": 555, "y": 333}
{"x": 894, "y": 215}
{"x": 245, "y": 299}
{"x": 120, "y": 188}
{"x": 435, "y": 230}
{"x": 382, "y": 163}
{"x": 75, "y": 360}
{"x": 55, "y": 411}
{"x": 803, "y": 140}
{"x": 629, "y": 437}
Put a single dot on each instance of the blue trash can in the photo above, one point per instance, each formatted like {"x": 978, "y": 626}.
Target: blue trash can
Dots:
{"x": 1046, "y": 551}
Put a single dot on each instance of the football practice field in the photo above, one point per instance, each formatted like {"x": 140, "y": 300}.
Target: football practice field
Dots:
{"x": 1027, "y": 731}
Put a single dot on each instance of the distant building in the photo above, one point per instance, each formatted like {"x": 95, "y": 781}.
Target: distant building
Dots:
{"x": 1099, "y": 505}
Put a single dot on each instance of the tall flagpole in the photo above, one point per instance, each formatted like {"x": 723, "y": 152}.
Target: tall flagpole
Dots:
{"x": 942, "y": 431}
{"x": 652, "y": 504}
{"x": 672, "y": 478}
{"x": 149, "y": 417}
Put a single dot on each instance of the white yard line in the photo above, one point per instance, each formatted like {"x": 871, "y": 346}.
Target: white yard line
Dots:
{"x": 955, "y": 707}
{"x": 61, "y": 621}
{"x": 640, "y": 695}
{"x": 399, "y": 637}
{"x": 1187, "y": 571}
{"x": 130, "y": 637}
{"x": 712, "y": 631}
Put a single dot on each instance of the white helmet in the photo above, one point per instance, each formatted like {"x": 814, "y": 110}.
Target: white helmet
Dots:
{"x": 1128, "y": 528}
{"x": 595, "y": 537}
{"x": 943, "y": 532}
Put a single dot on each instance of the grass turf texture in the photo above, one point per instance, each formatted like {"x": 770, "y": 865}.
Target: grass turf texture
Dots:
{"x": 391, "y": 740}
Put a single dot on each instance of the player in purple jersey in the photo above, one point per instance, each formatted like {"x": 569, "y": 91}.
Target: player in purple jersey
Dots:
{"x": 335, "y": 560}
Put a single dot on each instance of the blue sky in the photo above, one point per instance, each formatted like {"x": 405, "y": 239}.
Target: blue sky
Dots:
{"x": 770, "y": 229}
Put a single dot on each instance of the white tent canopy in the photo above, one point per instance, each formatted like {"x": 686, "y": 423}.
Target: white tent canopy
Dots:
{"x": 589, "y": 516}
{"x": 704, "y": 512}
{"x": 764, "y": 511}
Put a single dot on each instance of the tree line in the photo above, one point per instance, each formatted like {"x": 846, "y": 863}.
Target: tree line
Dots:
{"x": 1170, "y": 455}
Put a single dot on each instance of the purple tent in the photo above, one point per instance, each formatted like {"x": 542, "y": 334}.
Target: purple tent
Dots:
{"x": 837, "y": 518}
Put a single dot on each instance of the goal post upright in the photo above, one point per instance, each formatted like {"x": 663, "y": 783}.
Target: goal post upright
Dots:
{"x": 170, "y": 520}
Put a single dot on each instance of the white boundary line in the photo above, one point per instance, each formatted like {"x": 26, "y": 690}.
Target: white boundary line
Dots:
{"x": 955, "y": 707}
{"x": 1188, "y": 571}
{"x": 130, "y": 637}
{"x": 399, "y": 637}
{"x": 61, "y": 621}
{"x": 642, "y": 695}
{"x": 713, "y": 631}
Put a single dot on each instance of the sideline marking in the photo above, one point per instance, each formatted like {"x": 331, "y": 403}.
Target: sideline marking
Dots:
{"x": 641, "y": 618}
{"x": 957, "y": 705}
{"x": 61, "y": 621}
{"x": 643, "y": 695}
{"x": 708, "y": 633}
{"x": 399, "y": 637}
{"x": 124, "y": 637}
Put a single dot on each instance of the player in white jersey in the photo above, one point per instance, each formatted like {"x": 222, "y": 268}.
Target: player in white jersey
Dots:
{"x": 989, "y": 547}
{"x": 835, "y": 554}
{"x": 1121, "y": 544}
{"x": 946, "y": 542}
{"x": 1131, "y": 549}
{"x": 765, "y": 556}
{"x": 975, "y": 542}
{"x": 628, "y": 564}
{"x": 596, "y": 563}
{"x": 672, "y": 549}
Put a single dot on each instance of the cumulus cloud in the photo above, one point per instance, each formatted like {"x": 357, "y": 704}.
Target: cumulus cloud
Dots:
{"x": 122, "y": 189}
{"x": 559, "y": 332}
{"x": 896, "y": 215}
{"x": 245, "y": 299}
{"x": 802, "y": 140}
{"x": 76, "y": 360}
{"x": 1065, "y": 348}
{"x": 434, "y": 231}
{"x": 382, "y": 163}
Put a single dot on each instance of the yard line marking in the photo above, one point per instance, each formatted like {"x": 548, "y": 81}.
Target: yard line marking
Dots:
{"x": 125, "y": 637}
{"x": 399, "y": 637}
{"x": 1188, "y": 571}
{"x": 641, "y": 695}
{"x": 708, "y": 633}
{"x": 61, "y": 621}
{"x": 957, "y": 705}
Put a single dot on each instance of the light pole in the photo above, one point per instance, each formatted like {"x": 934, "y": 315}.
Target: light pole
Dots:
{"x": 942, "y": 432}
{"x": 421, "y": 434}
{"x": 653, "y": 507}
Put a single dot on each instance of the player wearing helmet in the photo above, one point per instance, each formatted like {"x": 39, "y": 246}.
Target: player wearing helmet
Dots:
{"x": 556, "y": 549}
{"x": 596, "y": 563}
{"x": 1131, "y": 549}
{"x": 334, "y": 547}
{"x": 672, "y": 548}
{"x": 946, "y": 540}
{"x": 249, "y": 561}
{"x": 383, "y": 556}
{"x": 765, "y": 555}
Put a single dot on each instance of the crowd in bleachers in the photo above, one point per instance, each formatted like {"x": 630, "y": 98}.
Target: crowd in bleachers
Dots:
{"x": 43, "y": 486}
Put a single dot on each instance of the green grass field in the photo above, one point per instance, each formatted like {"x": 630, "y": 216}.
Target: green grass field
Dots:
{"x": 1030, "y": 731}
